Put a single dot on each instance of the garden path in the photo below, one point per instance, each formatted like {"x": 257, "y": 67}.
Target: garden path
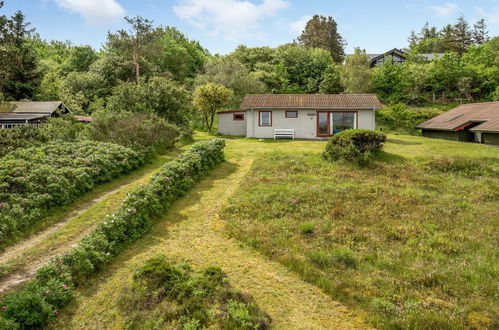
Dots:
{"x": 19, "y": 262}
{"x": 192, "y": 230}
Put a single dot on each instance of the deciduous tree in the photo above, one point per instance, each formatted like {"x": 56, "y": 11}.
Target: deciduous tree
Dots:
{"x": 209, "y": 99}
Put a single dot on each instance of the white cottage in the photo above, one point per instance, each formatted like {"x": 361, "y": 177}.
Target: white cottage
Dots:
{"x": 307, "y": 116}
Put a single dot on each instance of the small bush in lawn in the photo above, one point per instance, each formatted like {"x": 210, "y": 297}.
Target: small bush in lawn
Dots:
{"x": 170, "y": 294}
{"x": 307, "y": 228}
{"x": 354, "y": 145}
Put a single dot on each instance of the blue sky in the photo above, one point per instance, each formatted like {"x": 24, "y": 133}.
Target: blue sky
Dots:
{"x": 220, "y": 25}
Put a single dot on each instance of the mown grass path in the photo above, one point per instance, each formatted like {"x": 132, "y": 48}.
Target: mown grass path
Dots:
{"x": 192, "y": 230}
{"x": 63, "y": 230}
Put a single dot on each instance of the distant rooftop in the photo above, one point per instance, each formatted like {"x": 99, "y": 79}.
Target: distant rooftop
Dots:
{"x": 486, "y": 113}
{"x": 46, "y": 107}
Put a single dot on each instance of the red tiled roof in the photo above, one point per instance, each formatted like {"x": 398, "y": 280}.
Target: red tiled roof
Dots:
{"x": 311, "y": 101}
{"x": 487, "y": 112}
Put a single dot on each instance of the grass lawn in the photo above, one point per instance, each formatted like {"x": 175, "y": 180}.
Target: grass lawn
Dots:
{"x": 409, "y": 243}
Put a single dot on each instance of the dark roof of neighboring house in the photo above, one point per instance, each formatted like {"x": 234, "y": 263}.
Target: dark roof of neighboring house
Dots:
{"x": 311, "y": 101}
{"x": 486, "y": 113}
{"x": 5, "y": 116}
{"x": 394, "y": 51}
{"x": 46, "y": 107}
{"x": 401, "y": 53}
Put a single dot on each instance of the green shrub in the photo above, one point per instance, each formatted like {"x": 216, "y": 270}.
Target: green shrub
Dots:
{"x": 354, "y": 145}
{"x": 34, "y": 180}
{"x": 133, "y": 219}
{"x": 400, "y": 116}
{"x": 28, "y": 308}
{"x": 136, "y": 131}
{"x": 21, "y": 137}
{"x": 169, "y": 294}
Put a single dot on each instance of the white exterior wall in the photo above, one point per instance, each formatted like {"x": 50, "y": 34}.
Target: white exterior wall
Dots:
{"x": 228, "y": 126}
{"x": 305, "y": 125}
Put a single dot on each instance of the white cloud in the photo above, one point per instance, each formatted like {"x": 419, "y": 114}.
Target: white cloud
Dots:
{"x": 491, "y": 16}
{"x": 299, "y": 25}
{"x": 233, "y": 19}
{"x": 94, "y": 11}
{"x": 446, "y": 9}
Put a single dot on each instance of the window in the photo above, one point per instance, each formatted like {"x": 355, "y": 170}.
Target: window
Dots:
{"x": 291, "y": 114}
{"x": 342, "y": 121}
{"x": 238, "y": 116}
{"x": 265, "y": 118}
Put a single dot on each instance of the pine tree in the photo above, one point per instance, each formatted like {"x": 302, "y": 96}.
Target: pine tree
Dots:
{"x": 322, "y": 32}
{"x": 463, "y": 33}
{"x": 413, "y": 40}
{"x": 448, "y": 41}
{"x": 480, "y": 33}
{"x": 19, "y": 75}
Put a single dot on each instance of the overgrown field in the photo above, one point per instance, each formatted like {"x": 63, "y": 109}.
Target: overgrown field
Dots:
{"x": 409, "y": 243}
{"x": 37, "y": 179}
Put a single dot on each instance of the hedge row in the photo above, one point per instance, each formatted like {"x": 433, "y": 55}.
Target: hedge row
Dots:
{"x": 34, "y": 180}
{"x": 39, "y": 302}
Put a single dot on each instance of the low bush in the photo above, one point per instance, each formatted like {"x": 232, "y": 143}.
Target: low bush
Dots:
{"x": 168, "y": 294}
{"x": 136, "y": 131}
{"x": 133, "y": 219}
{"x": 399, "y": 117}
{"x": 65, "y": 128}
{"x": 34, "y": 180}
{"x": 354, "y": 145}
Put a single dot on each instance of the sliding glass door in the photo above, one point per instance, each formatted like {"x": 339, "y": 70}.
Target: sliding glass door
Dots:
{"x": 332, "y": 122}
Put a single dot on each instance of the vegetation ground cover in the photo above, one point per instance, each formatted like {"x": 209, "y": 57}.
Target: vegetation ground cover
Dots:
{"x": 35, "y": 180}
{"x": 169, "y": 294}
{"x": 39, "y": 301}
{"x": 409, "y": 243}
{"x": 191, "y": 230}
{"x": 67, "y": 225}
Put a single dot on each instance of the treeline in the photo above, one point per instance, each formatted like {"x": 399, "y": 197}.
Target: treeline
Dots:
{"x": 154, "y": 69}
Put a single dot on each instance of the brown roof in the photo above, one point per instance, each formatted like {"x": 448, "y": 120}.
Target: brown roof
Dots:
{"x": 454, "y": 119}
{"x": 311, "y": 101}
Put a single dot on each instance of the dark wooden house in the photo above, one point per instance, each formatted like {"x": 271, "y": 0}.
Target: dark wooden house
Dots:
{"x": 475, "y": 122}
{"x": 29, "y": 113}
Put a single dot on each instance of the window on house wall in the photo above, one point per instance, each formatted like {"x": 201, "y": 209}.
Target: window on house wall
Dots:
{"x": 291, "y": 114}
{"x": 238, "y": 116}
{"x": 265, "y": 118}
{"x": 342, "y": 121}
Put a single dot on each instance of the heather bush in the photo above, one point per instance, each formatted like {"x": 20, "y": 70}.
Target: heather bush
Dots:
{"x": 198, "y": 300}
{"x": 133, "y": 219}
{"x": 34, "y": 180}
{"x": 136, "y": 131}
{"x": 355, "y": 145}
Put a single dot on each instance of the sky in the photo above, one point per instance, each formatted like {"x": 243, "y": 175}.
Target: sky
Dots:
{"x": 222, "y": 25}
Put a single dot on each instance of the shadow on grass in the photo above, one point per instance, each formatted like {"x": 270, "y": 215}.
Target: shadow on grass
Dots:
{"x": 388, "y": 157}
{"x": 407, "y": 143}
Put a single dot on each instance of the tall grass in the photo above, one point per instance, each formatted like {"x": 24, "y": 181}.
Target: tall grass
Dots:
{"x": 409, "y": 244}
